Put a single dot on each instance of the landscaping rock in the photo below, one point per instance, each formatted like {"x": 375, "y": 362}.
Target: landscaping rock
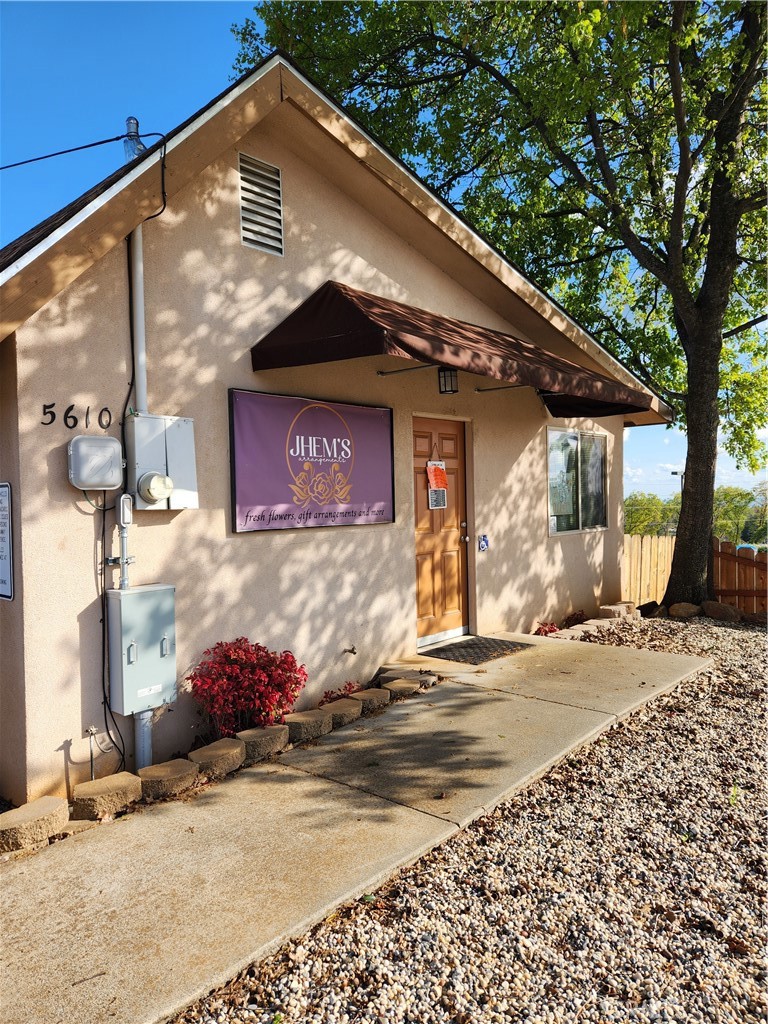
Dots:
{"x": 371, "y": 700}
{"x": 33, "y": 823}
{"x": 401, "y": 687}
{"x": 105, "y": 797}
{"x": 167, "y": 779}
{"x": 344, "y": 711}
{"x": 261, "y": 742}
{"x": 721, "y": 612}
{"x": 308, "y": 725}
{"x": 684, "y": 610}
{"x": 649, "y": 609}
{"x": 220, "y": 758}
{"x": 754, "y": 618}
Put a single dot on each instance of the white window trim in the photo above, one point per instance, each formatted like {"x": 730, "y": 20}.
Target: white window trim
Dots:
{"x": 579, "y": 433}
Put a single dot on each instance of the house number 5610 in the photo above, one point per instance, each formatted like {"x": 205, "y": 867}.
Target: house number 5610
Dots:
{"x": 69, "y": 418}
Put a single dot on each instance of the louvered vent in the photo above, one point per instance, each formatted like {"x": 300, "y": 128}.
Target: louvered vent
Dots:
{"x": 261, "y": 205}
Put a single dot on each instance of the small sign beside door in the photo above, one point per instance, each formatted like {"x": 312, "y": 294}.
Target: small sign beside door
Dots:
{"x": 6, "y": 544}
{"x": 437, "y": 480}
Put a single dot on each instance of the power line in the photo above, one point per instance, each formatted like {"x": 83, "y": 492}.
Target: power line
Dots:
{"x": 62, "y": 153}
{"x": 77, "y": 149}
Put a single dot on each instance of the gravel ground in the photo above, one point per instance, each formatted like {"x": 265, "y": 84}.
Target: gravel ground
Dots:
{"x": 628, "y": 884}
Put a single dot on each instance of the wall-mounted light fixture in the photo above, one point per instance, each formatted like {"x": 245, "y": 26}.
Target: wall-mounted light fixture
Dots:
{"x": 448, "y": 380}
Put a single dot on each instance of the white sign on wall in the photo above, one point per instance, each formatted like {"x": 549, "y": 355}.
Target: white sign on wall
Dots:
{"x": 6, "y": 544}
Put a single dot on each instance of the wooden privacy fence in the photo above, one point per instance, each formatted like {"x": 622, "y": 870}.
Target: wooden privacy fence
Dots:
{"x": 645, "y": 567}
{"x": 738, "y": 578}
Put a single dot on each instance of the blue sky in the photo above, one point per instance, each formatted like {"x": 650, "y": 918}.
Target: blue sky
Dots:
{"x": 70, "y": 74}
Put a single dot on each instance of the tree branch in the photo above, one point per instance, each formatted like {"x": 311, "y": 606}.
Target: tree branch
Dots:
{"x": 677, "y": 220}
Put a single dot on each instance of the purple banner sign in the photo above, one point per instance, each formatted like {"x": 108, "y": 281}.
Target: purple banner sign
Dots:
{"x": 297, "y": 462}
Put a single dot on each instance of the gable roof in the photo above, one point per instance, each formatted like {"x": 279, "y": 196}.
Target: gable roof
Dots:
{"x": 41, "y": 263}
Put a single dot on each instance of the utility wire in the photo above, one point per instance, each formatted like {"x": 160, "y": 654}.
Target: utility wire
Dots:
{"x": 62, "y": 152}
{"x": 77, "y": 149}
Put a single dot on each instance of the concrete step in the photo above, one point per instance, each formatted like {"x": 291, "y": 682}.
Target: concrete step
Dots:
{"x": 103, "y": 798}
{"x": 32, "y": 824}
{"x": 220, "y": 758}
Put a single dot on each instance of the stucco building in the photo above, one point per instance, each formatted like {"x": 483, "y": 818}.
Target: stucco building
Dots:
{"x": 292, "y": 256}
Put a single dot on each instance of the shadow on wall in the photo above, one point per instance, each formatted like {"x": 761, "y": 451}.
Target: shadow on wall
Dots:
{"x": 531, "y": 576}
{"x": 208, "y": 302}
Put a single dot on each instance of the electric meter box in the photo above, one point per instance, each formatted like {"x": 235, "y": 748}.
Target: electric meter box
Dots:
{"x": 142, "y": 647}
{"x": 161, "y": 446}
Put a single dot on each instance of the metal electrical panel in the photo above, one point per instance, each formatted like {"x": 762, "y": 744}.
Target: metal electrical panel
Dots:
{"x": 142, "y": 647}
{"x": 163, "y": 446}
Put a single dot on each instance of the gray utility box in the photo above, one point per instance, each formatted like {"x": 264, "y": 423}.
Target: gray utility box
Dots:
{"x": 142, "y": 647}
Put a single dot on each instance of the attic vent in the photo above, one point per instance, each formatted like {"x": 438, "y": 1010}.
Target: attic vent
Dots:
{"x": 261, "y": 206}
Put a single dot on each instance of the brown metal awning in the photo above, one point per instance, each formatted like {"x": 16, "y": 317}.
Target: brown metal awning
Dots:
{"x": 339, "y": 322}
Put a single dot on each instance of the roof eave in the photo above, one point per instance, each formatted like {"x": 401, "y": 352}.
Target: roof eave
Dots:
{"x": 45, "y": 269}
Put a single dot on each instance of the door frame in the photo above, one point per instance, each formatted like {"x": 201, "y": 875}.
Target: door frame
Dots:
{"x": 471, "y": 580}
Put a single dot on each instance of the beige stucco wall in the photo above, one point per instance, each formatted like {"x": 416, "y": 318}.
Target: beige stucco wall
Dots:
{"x": 314, "y": 591}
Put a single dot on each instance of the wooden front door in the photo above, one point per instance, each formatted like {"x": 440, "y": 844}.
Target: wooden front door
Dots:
{"x": 441, "y": 533}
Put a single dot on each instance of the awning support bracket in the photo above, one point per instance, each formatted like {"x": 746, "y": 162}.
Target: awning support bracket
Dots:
{"x": 406, "y": 369}
{"x": 502, "y": 387}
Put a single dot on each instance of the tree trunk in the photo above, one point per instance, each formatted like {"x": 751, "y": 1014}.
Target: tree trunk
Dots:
{"x": 688, "y": 578}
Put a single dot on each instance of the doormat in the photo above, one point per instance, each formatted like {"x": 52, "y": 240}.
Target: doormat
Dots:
{"x": 476, "y": 650}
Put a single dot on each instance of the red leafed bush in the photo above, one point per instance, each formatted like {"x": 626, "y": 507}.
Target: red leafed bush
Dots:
{"x": 344, "y": 691}
{"x": 545, "y": 628}
{"x": 240, "y": 685}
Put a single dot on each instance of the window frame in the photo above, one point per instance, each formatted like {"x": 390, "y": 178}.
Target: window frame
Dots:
{"x": 553, "y": 531}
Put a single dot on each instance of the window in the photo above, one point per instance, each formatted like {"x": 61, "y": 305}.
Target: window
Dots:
{"x": 577, "y": 481}
{"x": 261, "y": 205}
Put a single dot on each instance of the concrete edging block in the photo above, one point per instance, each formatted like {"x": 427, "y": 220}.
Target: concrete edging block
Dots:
{"x": 372, "y": 699}
{"x": 33, "y": 824}
{"x": 308, "y": 725}
{"x": 401, "y": 687}
{"x": 105, "y": 797}
{"x": 343, "y": 711}
{"x": 219, "y": 758}
{"x": 167, "y": 779}
{"x": 263, "y": 741}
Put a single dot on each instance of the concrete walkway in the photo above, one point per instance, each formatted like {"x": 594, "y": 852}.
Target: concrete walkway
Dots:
{"x": 129, "y": 922}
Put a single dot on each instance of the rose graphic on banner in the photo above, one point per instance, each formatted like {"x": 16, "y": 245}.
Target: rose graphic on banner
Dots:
{"x": 328, "y": 439}
{"x": 323, "y": 488}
